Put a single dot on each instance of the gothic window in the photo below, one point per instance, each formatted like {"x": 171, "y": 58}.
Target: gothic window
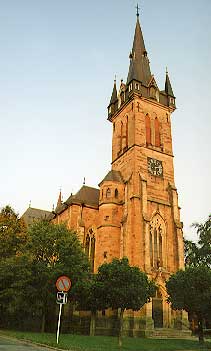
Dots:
{"x": 87, "y": 244}
{"x": 116, "y": 193}
{"x": 156, "y": 241}
{"x": 108, "y": 193}
{"x": 92, "y": 253}
{"x": 148, "y": 129}
{"x": 152, "y": 92}
{"x": 90, "y": 247}
{"x": 127, "y": 132}
{"x": 151, "y": 248}
{"x": 155, "y": 246}
{"x": 160, "y": 240}
{"x": 157, "y": 132}
{"x": 121, "y": 135}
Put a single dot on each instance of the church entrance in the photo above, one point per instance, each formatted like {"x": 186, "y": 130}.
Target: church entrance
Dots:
{"x": 157, "y": 310}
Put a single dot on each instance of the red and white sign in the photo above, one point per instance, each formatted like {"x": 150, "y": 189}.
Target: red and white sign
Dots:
{"x": 63, "y": 283}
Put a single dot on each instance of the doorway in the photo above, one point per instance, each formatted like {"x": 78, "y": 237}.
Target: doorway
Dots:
{"x": 157, "y": 310}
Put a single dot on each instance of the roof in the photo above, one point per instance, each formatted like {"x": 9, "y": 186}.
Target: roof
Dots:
{"x": 139, "y": 63}
{"x": 114, "y": 176}
{"x": 34, "y": 214}
{"x": 86, "y": 195}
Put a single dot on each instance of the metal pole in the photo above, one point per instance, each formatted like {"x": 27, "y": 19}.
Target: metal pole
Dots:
{"x": 59, "y": 319}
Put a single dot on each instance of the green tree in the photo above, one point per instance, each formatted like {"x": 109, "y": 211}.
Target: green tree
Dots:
{"x": 90, "y": 296}
{"x": 192, "y": 253}
{"x": 199, "y": 253}
{"x": 125, "y": 287}
{"x": 13, "y": 234}
{"x": 54, "y": 251}
{"x": 51, "y": 251}
{"x": 190, "y": 290}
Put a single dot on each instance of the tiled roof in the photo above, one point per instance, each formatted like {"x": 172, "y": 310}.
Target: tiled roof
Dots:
{"x": 114, "y": 176}
{"x": 86, "y": 195}
{"x": 34, "y": 214}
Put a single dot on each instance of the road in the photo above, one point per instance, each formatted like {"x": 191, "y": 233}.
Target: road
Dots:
{"x": 7, "y": 344}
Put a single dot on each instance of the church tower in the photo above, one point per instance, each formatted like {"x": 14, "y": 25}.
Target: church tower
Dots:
{"x": 139, "y": 216}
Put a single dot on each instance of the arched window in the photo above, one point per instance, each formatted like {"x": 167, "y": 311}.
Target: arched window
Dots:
{"x": 127, "y": 132}
{"x": 90, "y": 247}
{"x": 108, "y": 193}
{"x": 157, "y": 132}
{"x": 151, "y": 248}
{"x": 121, "y": 136}
{"x": 92, "y": 253}
{"x": 116, "y": 193}
{"x": 87, "y": 244}
{"x": 155, "y": 247}
{"x": 156, "y": 241}
{"x": 148, "y": 129}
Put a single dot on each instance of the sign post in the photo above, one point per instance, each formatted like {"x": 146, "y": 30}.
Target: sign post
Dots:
{"x": 63, "y": 284}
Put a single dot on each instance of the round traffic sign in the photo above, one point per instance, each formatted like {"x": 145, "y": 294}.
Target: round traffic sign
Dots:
{"x": 63, "y": 283}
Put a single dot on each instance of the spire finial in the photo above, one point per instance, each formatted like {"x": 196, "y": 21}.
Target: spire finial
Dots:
{"x": 115, "y": 79}
{"x": 167, "y": 70}
{"x": 137, "y": 10}
{"x": 84, "y": 182}
{"x": 30, "y": 203}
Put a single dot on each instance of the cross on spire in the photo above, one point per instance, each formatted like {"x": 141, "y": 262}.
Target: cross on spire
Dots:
{"x": 137, "y": 10}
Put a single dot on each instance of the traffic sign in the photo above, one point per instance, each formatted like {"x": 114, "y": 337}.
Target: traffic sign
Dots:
{"x": 61, "y": 297}
{"x": 63, "y": 283}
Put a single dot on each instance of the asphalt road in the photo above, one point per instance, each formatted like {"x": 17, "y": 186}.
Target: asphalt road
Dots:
{"x": 7, "y": 344}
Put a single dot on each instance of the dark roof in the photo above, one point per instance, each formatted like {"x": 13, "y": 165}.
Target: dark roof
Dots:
{"x": 168, "y": 88}
{"x": 86, "y": 195}
{"x": 114, "y": 94}
{"x": 139, "y": 63}
{"x": 114, "y": 176}
{"x": 34, "y": 214}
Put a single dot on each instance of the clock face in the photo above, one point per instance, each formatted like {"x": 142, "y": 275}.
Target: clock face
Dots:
{"x": 155, "y": 167}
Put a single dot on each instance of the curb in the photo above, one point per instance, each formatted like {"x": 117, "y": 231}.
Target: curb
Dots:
{"x": 29, "y": 342}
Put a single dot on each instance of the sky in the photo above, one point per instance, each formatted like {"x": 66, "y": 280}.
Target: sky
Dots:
{"x": 57, "y": 65}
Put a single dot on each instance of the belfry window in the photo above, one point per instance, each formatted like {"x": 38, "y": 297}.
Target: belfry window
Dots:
{"x": 157, "y": 132}
{"x": 148, "y": 129}
{"x": 116, "y": 193}
{"x": 108, "y": 193}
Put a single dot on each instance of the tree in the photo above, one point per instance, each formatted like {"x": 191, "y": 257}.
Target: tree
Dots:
{"x": 200, "y": 253}
{"x": 54, "y": 251}
{"x": 13, "y": 234}
{"x": 125, "y": 287}
{"x": 90, "y": 296}
{"x": 190, "y": 290}
{"x": 51, "y": 251}
{"x": 192, "y": 253}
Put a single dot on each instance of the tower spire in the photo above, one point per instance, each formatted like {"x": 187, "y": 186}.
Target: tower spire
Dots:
{"x": 137, "y": 10}
{"x": 139, "y": 63}
{"x": 114, "y": 93}
{"x": 59, "y": 202}
{"x": 168, "y": 88}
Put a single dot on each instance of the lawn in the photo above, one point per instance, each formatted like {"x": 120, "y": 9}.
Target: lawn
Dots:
{"x": 101, "y": 343}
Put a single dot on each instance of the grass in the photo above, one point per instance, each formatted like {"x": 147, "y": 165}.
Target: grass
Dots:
{"x": 103, "y": 343}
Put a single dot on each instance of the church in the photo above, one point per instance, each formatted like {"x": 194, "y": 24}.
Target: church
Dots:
{"x": 135, "y": 212}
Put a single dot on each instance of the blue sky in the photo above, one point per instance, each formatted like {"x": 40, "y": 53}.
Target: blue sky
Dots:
{"x": 57, "y": 65}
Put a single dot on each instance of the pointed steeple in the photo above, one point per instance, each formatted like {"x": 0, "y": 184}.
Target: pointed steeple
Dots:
{"x": 59, "y": 202}
{"x": 168, "y": 88}
{"x": 114, "y": 94}
{"x": 139, "y": 63}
